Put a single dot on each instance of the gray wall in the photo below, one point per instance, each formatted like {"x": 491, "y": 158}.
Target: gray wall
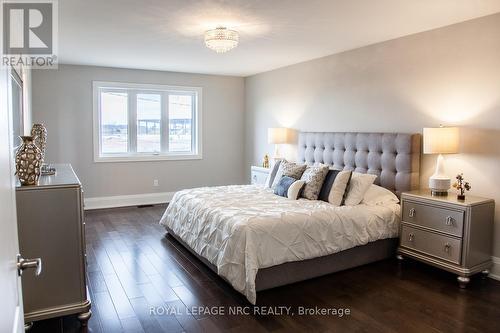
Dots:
{"x": 62, "y": 100}
{"x": 447, "y": 76}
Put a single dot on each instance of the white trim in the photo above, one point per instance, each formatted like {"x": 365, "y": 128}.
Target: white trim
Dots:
{"x": 145, "y": 86}
{"x": 127, "y": 200}
{"x": 495, "y": 268}
{"x": 146, "y": 157}
{"x": 132, "y": 156}
{"x": 18, "y": 321}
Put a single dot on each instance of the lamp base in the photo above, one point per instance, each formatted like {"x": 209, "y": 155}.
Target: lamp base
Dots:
{"x": 439, "y": 193}
{"x": 277, "y": 157}
{"x": 439, "y": 183}
{"x": 439, "y": 186}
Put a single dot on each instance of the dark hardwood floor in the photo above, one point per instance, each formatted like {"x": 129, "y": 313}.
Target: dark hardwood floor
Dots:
{"x": 132, "y": 267}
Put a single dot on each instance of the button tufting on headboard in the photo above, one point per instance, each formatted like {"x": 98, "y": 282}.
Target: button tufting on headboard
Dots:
{"x": 394, "y": 157}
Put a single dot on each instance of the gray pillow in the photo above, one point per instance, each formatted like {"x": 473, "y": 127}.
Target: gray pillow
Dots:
{"x": 288, "y": 169}
{"x": 314, "y": 177}
{"x": 272, "y": 174}
{"x": 293, "y": 170}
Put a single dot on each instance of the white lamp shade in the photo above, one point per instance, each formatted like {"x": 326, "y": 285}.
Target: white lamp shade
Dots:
{"x": 279, "y": 135}
{"x": 441, "y": 140}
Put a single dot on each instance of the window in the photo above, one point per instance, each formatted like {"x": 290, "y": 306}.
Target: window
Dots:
{"x": 138, "y": 122}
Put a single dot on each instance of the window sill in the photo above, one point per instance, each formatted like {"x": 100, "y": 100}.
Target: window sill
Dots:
{"x": 146, "y": 158}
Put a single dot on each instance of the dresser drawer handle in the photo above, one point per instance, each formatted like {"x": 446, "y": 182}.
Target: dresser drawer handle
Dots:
{"x": 411, "y": 236}
{"x": 449, "y": 220}
{"x": 447, "y": 247}
{"x": 412, "y": 212}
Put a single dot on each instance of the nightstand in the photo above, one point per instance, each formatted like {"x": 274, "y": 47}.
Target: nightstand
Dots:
{"x": 447, "y": 233}
{"x": 259, "y": 175}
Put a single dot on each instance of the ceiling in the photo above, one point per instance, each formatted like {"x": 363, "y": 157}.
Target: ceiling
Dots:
{"x": 168, "y": 34}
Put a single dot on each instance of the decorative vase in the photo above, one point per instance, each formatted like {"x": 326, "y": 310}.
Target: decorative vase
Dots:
{"x": 39, "y": 133}
{"x": 28, "y": 161}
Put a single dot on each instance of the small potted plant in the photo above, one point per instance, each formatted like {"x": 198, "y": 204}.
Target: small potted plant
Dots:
{"x": 461, "y": 186}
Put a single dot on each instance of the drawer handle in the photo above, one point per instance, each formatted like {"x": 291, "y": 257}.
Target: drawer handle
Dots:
{"x": 411, "y": 236}
{"x": 449, "y": 220}
{"x": 412, "y": 212}
{"x": 447, "y": 247}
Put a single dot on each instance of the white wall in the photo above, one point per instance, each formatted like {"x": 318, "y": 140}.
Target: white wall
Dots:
{"x": 62, "y": 100}
{"x": 27, "y": 99}
{"x": 447, "y": 76}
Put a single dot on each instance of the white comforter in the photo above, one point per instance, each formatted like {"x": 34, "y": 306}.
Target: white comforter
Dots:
{"x": 243, "y": 228}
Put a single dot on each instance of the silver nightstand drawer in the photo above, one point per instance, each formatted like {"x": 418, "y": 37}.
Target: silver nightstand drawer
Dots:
{"x": 441, "y": 219}
{"x": 443, "y": 247}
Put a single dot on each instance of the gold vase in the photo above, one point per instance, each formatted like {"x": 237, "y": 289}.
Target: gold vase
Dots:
{"x": 28, "y": 161}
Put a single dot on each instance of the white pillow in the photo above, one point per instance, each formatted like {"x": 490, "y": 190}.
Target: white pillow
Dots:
{"x": 359, "y": 184}
{"x": 377, "y": 195}
{"x": 294, "y": 189}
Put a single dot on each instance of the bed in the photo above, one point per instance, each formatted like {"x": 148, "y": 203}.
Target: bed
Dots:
{"x": 256, "y": 240}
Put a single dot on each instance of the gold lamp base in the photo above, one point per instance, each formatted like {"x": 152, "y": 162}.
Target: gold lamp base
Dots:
{"x": 436, "y": 193}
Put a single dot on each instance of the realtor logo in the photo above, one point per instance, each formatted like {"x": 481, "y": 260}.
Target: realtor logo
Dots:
{"x": 29, "y": 33}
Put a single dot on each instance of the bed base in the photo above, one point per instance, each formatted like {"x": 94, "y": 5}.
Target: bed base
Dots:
{"x": 296, "y": 271}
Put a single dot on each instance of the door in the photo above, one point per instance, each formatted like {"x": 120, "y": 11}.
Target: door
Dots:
{"x": 11, "y": 309}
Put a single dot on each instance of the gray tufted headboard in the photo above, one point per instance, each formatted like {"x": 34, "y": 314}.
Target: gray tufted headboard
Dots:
{"x": 394, "y": 157}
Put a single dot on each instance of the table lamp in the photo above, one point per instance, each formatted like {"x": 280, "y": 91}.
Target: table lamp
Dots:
{"x": 278, "y": 136}
{"x": 440, "y": 140}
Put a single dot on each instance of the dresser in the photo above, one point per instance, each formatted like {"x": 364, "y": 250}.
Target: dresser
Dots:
{"x": 51, "y": 227}
{"x": 259, "y": 175}
{"x": 447, "y": 233}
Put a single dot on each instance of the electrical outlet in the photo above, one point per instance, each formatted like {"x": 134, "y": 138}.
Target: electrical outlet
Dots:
{"x": 156, "y": 183}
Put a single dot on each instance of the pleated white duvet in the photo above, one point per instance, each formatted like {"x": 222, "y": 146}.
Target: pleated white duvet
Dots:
{"x": 243, "y": 228}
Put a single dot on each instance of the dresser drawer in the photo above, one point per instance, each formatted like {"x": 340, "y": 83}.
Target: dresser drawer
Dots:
{"x": 443, "y": 247}
{"x": 441, "y": 219}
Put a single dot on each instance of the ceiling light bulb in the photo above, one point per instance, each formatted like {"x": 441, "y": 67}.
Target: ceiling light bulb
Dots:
{"x": 221, "y": 39}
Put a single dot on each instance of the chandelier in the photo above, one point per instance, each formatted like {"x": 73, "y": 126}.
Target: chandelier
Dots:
{"x": 221, "y": 39}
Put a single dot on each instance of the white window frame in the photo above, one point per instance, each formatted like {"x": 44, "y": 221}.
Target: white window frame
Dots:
{"x": 130, "y": 156}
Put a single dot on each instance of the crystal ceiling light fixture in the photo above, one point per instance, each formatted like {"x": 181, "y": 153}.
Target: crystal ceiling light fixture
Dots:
{"x": 221, "y": 39}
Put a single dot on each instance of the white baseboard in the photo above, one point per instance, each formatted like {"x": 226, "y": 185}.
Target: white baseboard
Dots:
{"x": 127, "y": 200}
{"x": 495, "y": 270}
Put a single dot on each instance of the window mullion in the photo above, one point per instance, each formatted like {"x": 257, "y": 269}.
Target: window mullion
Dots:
{"x": 164, "y": 123}
{"x": 99, "y": 119}
{"x": 132, "y": 120}
{"x": 194, "y": 125}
